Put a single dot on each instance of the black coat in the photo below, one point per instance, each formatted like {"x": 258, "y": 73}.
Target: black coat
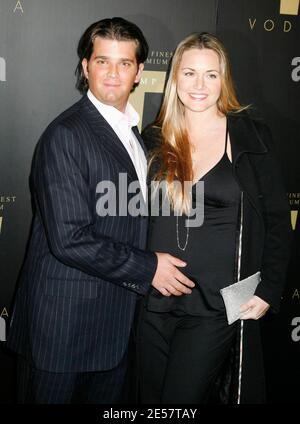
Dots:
{"x": 266, "y": 239}
{"x": 266, "y": 235}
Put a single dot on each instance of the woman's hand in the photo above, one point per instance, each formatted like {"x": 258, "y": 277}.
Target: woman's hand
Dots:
{"x": 255, "y": 308}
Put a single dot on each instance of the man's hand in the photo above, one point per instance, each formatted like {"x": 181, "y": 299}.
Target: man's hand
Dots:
{"x": 168, "y": 280}
{"x": 255, "y": 308}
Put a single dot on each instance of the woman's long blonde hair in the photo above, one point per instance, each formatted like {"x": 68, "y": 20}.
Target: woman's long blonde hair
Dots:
{"x": 174, "y": 153}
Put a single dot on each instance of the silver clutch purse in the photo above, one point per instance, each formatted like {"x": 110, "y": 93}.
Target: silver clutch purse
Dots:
{"x": 237, "y": 294}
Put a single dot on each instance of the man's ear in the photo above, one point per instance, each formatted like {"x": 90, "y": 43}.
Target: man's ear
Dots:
{"x": 139, "y": 73}
{"x": 84, "y": 64}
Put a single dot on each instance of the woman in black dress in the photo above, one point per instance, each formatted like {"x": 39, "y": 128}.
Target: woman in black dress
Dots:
{"x": 204, "y": 136}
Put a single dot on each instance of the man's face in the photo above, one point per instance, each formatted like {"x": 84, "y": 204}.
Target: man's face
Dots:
{"x": 112, "y": 71}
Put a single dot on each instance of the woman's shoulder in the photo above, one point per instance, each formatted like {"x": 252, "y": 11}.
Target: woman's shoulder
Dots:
{"x": 249, "y": 116}
{"x": 254, "y": 122}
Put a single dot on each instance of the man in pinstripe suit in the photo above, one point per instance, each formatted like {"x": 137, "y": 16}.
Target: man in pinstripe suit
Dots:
{"x": 83, "y": 271}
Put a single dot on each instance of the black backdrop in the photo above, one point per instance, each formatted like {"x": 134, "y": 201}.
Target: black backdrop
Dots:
{"x": 38, "y": 40}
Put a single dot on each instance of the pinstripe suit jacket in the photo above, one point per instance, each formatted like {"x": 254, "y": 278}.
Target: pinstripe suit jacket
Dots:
{"x": 82, "y": 273}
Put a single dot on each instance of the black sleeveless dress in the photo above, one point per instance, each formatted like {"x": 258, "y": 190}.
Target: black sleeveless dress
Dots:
{"x": 210, "y": 251}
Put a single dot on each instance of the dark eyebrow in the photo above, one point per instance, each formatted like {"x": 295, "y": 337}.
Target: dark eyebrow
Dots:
{"x": 122, "y": 59}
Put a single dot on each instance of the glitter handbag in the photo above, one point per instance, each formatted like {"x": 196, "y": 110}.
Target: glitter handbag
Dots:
{"x": 238, "y": 293}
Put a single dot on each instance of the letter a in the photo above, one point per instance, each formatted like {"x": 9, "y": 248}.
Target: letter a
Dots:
{"x": 18, "y": 6}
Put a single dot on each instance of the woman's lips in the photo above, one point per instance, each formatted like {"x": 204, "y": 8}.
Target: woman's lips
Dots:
{"x": 198, "y": 96}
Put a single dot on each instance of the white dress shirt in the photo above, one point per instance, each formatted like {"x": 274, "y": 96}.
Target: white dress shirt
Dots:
{"x": 122, "y": 124}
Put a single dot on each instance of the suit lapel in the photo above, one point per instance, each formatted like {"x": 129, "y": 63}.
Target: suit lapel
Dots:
{"x": 109, "y": 138}
{"x": 140, "y": 140}
{"x": 244, "y": 138}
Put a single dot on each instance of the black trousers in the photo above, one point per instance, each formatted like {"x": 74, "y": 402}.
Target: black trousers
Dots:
{"x": 42, "y": 387}
{"x": 180, "y": 356}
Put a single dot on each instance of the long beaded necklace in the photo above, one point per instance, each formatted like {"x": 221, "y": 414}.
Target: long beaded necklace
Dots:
{"x": 186, "y": 237}
{"x": 187, "y": 230}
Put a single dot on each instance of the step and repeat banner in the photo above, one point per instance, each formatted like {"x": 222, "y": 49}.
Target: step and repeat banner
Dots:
{"x": 38, "y": 41}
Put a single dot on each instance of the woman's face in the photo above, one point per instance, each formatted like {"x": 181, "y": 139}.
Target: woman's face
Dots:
{"x": 199, "y": 80}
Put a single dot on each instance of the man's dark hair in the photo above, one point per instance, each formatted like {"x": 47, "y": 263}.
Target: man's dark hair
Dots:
{"x": 113, "y": 29}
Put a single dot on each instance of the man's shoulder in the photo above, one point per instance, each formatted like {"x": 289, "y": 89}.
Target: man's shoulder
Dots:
{"x": 69, "y": 118}
{"x": 61, "y": 132}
